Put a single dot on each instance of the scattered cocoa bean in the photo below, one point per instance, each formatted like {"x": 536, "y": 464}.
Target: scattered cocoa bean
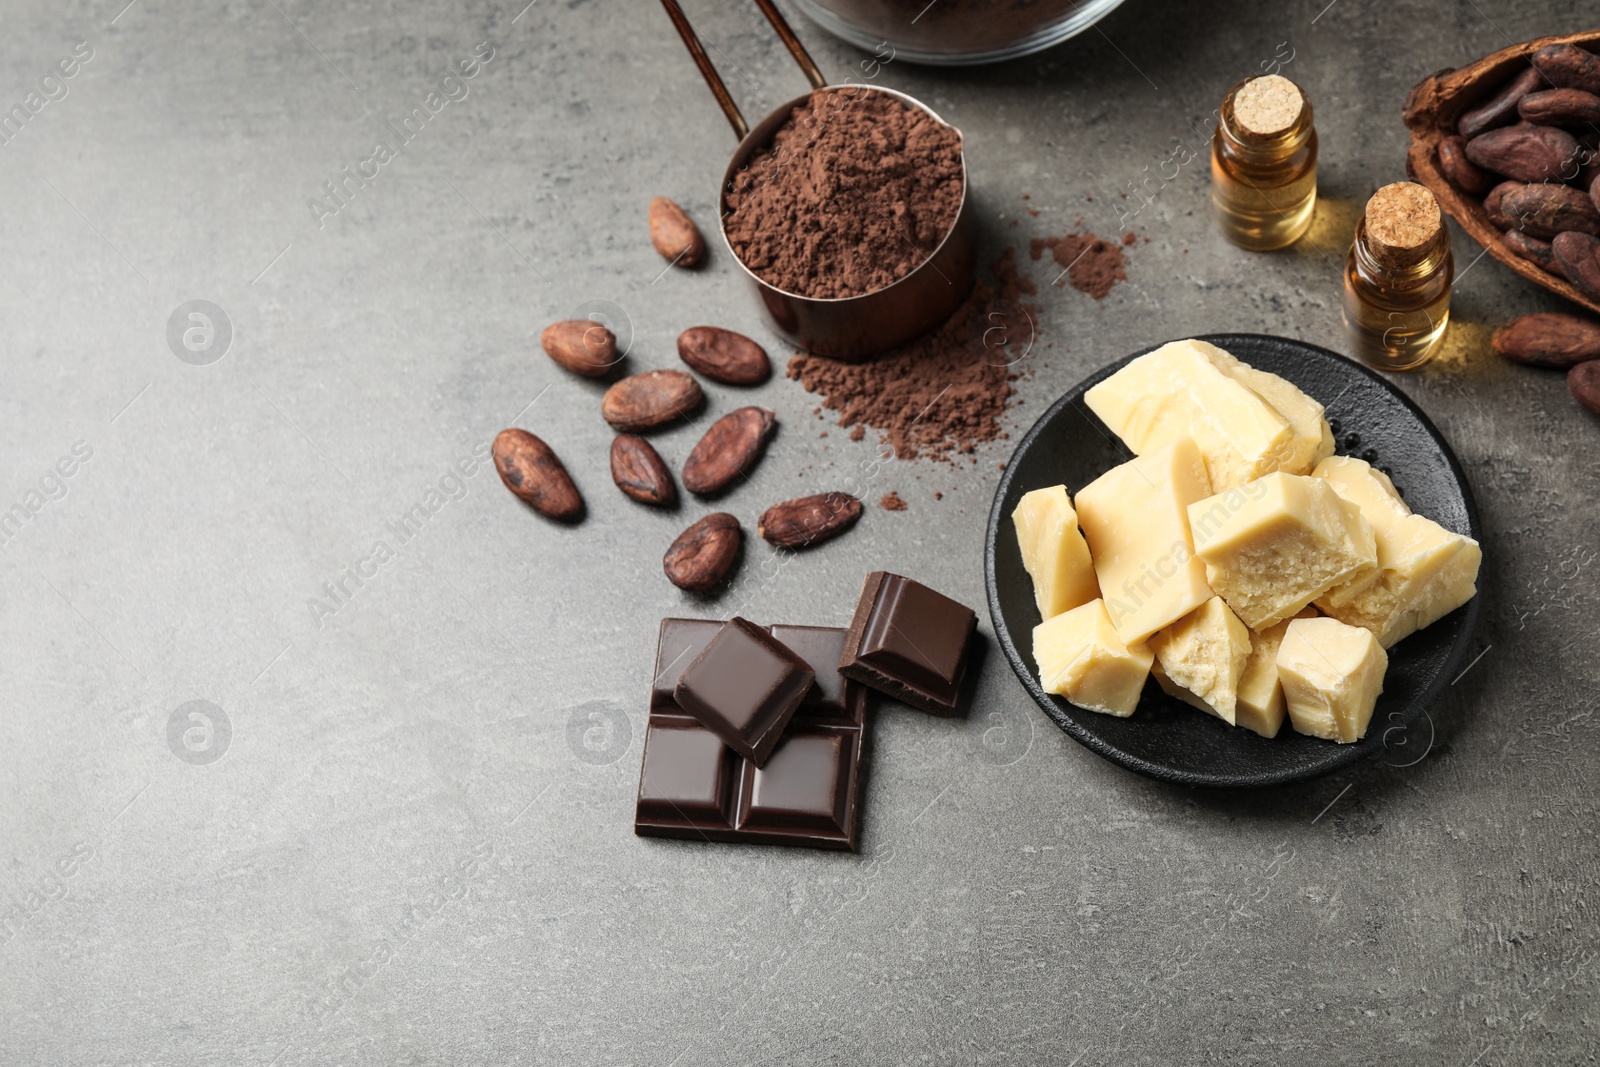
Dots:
{"x": 674, "y": 233}
{"x": 581, "y": 346}
{"x": 532, "y": 471}
{"x": 1534, "y": 251}
{"x": 1560, "y": 107}
{"x": 731, "y": 447}
{"x": 702, "y": 555}
{"x": 1594, "y": 192}
{"x": 1500, "y": 108}
{"x": 1492, "y": 202}
{"x": 724, "y": 356}
{"x": 1579, "y": 257}
{"x": 1583, "y": 382}
{"x": 639, "y": 472}
{"x": 1526, "y": 152}
{"x": 1566, "y": 66}
{"x": 1544, "y": 209}
{"x": 645, "y": 401}
{"x": 1458, "y": 170}
{"x": 1549, "y": 339}
{"x": 809, "y": 520}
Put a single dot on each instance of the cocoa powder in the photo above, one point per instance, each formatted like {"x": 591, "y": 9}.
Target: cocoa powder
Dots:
{"x": 944, "y": 393}
{"x": 1092, "y": 264}
{"x": 855, "y": 192}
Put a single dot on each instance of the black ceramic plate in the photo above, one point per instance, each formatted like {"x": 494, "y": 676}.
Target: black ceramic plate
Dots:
{"x": 1166, "y": 738}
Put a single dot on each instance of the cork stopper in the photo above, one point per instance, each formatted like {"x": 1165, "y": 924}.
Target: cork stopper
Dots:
{"x": 1268, "y": 105}
{"x": 1402, "y": 224}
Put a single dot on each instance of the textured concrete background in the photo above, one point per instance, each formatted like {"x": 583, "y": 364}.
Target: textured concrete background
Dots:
{"x": 401, "y": 832}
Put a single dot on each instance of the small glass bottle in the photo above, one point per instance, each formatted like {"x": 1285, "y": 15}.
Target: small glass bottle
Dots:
{"x": 1264, "y": 164}
{"x": 1397, "y": 279}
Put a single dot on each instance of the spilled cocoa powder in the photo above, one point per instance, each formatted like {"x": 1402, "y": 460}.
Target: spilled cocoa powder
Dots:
{"x": 944, "y": 393}
{"x": 855, "y": 192}
{"x": 892, "y": 501}
{"x": 1092, "y": 264}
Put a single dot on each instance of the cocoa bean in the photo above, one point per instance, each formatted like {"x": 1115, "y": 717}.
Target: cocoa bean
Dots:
{"x": 1594, "y": 192}
{"x": 1501, "y": 108}
{"x": 1579, "y": 257}
{"x": 1526, "y": 153}
{"x": 1560, "y": 107}
{"x": 1458, "y": 170}
{"x": 1566, "y": 66}
{"x": 724, "y": 356}
{"x": 1534, "y": 251}
{"x": 1543, "y": 210}
{"x": 704, "y": 554}
{"x": 674, "y": 233}
{"x": 1549, "y": 339}
{"x": 730, "y": 448}
{"x": 639, "y": 472}
{"x": 1492, "y": 204}
{"x": 531, "y": 470}
{"x": 581, "y": 346}
{"x": 645, "y": 401}
{"x": 1583, "y": 382}
{"x": 809, "y": 520}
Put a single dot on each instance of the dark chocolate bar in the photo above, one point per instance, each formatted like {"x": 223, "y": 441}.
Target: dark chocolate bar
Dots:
{"x": 744, "y": 687}
{"x": 693, "y": 786}
{"x": 909, "y": 642}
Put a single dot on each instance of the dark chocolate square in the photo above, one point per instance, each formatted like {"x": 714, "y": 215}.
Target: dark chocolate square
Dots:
{"x": 744, "y": 687}
{"x": 688, "y": 780}
{"x": 835, "y": 697}
{"x": 681, "y": 641}
{"x": 805, "y": 790}
{"x": 909, "y": 641}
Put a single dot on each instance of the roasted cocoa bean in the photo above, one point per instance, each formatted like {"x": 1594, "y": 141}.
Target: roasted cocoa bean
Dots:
{"x": 645, "y": 401}
{"x": 1534, "y": 251}
{"x": 730, "y": 448}
{"x": 704, "y": 554}
{"x": 1492, "y": 202}
{"x": 674, "y": 234}
{"x": 1526, "y": 153}
{"x": 1458, "y": 170}
{"x": 1549, "y": 339}
{"x": 1501, "y": 108}
{"x": 639, "y": 472}
{"x": 1583, "y": 382}
{"x": 1543, "y": 210}
{"x": 809, "y": 520}
{"x": 531, "y": 470}
{"x": 1566, "y": 66}
{"x": 724, "y": 356}
{"x": 1579, "y": 256}
{"x": 581, "y": 346}
{"x": 1560, "y": 107}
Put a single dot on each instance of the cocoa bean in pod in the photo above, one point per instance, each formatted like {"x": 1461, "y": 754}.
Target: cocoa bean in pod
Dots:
{"x": 1583, "y": 382}
{"x": 639, "y": 472}
{"x": 1500, "y": 108}
{"x": 1579, "y": 257}
{"x": 1560, "y": 107}
{"x": 581, "y": 346}
{"x": 1526, "y": 153}
{"x": 809, "y": 520}
{"x": 531, "y": 470}
{"x": 1543, "y": 210}
{"x": 1566, "y": 66}
{"x": 1534, "y": 251}
{"x": 1492, "y": 202}
{"x": 1549, "y": 339}
{"x": 724, "y": 356}
{"x": 674, "y": 233}
{"x": 654, "y": 398}
{"x": 704, "y": 554}
{"x": 1458, "y": 170}
{"x": 729, "y": 449}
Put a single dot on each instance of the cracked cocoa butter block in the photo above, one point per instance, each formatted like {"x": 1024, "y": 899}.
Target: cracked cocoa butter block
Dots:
{"x": 910, "y": 642}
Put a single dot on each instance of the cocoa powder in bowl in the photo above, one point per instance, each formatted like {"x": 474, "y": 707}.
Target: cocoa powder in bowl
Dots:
{"x": 856, "y": 191}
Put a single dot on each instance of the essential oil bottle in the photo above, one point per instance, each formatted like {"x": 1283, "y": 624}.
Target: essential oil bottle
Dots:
{"x": 1397, "y": 279}
{"x": 1264, "y": 164}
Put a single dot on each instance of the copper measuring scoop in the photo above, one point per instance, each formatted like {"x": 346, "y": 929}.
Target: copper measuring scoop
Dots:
{"x": 853, "y": 328}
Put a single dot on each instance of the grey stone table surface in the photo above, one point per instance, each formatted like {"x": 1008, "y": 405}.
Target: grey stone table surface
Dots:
{"x": 397, "y": 826}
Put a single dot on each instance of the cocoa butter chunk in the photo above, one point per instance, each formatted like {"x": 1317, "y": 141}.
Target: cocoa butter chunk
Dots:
{"x": 1502, "y": 107}
{"x": 1549, "y": 339}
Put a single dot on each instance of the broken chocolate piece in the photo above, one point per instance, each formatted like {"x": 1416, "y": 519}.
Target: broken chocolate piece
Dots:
{"x": 909, "y": 642}
{"x": 744, "y": 687}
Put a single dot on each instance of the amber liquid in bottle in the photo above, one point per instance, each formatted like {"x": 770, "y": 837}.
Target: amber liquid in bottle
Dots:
{"x": 1264, "y": 164}
{"x": 1397, "y": 280}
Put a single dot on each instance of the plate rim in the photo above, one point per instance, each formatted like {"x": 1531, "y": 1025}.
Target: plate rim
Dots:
{"x": 1341, "y": 755}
